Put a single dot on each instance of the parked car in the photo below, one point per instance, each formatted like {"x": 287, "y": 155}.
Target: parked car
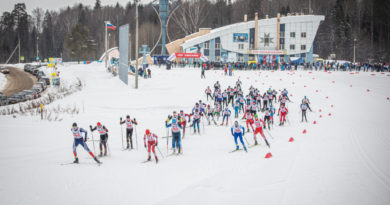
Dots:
{"x": 23, "y": 96}
{"x": 15, "y": 98}
{"x": 42, "y": 84}
{"x": 34, "y": 72}
{"x": 29, "y": 94}
{"x": 47, "y": 80}
{"x": 37, "y": 88}
{"x": 3, "y": 99}
{"x": 4, "y": 70}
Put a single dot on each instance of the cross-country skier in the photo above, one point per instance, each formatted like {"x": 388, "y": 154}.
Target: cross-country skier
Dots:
{"x": 249, "y": 121}
{"x": 303, "y": 109}
{"x": 306, "y": 101}
{"x": 196, "y": 120}
{"x": 176, "y": 139}
{"x": 226, "y": 114}
{"x": 236, "y": 107}
{"x": 238, "y": 131}
{"x": 103, "y": 131}
{"x": 225, "y": 98}
{"x": 152, "y": 141}
{"x": 231, "y": 95}
{"x": 78, "y": 140}
{"x": 283, "y": 111}
{"x": 272, "y": 113}
{"x": 265, "y": 101}
{"x": 259, "y": 124}
{"x": 210, "y": 114}
{"x": 129, "y": 130}
{"x": 274, "y": 93}
{"x": 208, "y": 93}
{"x": 267, "y": 116}
{"x": 183, "y": 121}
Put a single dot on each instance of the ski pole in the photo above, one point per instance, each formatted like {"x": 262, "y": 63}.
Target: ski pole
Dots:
{"x": 167, "y": 139}
{"x": 160, "y": 152}
{"x": 108, "y": 147}
{"x": 93, "y": 143}
{"x": 269, "y": 133}
{"x": 246, "y": 140}
{"x": 203, "y": 124}
{"x": 136, "y": 136}
{"x": 122, "y": 137}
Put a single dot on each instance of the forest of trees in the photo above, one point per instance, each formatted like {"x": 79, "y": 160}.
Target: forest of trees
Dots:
{"x": 77, "y": 32}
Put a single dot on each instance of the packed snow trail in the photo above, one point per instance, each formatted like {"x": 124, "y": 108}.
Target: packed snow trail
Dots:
{"x": 340, "y": 160}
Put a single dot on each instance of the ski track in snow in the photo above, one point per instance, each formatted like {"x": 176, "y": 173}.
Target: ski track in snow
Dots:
{"x": 338, "y": 161}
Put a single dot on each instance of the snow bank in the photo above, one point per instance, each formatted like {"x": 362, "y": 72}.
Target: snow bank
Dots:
{"x": 343, "y": 159}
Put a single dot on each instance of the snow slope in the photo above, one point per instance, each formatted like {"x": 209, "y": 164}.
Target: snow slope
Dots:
{"x": 3, "y": 81}
{"x": 343, "y": 159}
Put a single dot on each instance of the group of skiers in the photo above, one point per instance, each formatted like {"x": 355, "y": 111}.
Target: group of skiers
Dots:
{"x": 251, "y": 106}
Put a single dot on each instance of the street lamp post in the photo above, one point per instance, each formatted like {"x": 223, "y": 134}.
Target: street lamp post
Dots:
{"x": 354, "y": 50}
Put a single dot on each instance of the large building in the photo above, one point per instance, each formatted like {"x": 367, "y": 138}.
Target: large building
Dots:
{"x": 279, "y": 39}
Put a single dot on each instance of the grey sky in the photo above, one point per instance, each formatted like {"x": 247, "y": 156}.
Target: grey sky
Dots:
{"x": 8, "y": 5}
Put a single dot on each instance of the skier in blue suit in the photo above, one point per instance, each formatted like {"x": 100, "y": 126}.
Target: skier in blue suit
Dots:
{"x": 238, "y": 131}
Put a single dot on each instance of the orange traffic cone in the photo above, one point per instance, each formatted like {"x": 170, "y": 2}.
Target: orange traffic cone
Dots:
{"x": 291, "y": 139}
{"x": 268, "y": 155}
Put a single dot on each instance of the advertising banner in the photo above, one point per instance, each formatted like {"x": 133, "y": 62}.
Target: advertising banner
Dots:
{"x": 240, "y": 37}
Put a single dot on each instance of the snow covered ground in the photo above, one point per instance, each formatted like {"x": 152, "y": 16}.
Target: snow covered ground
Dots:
{"x": 3, "y": 81}
{"x": 343, "y": 159}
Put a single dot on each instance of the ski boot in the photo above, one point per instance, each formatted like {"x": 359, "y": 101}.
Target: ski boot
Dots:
{"x": 221, "y": 124}
{"x": 156, "y": 159}
{"x": 179, "y": 151}
{"x": 247, "y": 130}
{"x": 105, "y": 152}
{"x": 149, "y": 158}
{"x": 96, "y": 160}
{"x": 227, "y": 123}
{"x": 76, "y": 160}
{"x": 174, "y": 151}
{"x": 256, "y": 142}
{"x": 237, "y": 147}
{"x": 128, "y": 146}
{"x": 101, "y": 153}
{"x": 245, "y": 149}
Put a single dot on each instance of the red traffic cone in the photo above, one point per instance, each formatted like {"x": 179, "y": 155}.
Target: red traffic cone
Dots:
{"x": 320, "y": 116}
{"x": 304, "y": 131}
{"x": 368, "y": 90}
{"x": 319, "y": 110}
{"x": 326, "y": 97}
{"x": 330, "y": 114}
{"x": 388, "y": 98}
{"x": 333, "y": 81}
{"x": 315, "y": 122}
{"x": 268, "y": 155}
{"x": 305, "y": 86}
{"x": 293, "y": 83}
{"x": 316, "y": 91}
{"x": 280, "y": 79}
{"x": 291, "y": 139}
{"x": 290, "y": 95}
{"x": 350, "y": 86}
{"x": 331, "y": 105}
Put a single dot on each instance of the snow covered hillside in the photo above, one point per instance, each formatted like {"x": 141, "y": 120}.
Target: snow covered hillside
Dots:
{"x": 342, "y": 159}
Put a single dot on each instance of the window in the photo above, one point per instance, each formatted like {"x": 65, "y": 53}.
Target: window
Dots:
{"x": 241, "y": 46}
{"x": 303, "y": 47}
{"x": 281, "y": 34}
{"x": 240, "y": 58}
{"x": 292, "y": 47}
{"x": 281, "y": 46}
{"x": 206, "y": 52}
{"x": 303, "y": 35}
{"x": 217, "y": 46}
{"x": 206, "y": 45}
{"x": 292, "y": 34}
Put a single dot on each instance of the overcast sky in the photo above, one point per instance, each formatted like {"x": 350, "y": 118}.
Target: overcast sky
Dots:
{"x": 8, "y": 5}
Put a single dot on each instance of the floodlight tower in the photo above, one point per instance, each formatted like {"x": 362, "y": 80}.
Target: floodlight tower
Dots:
{"x": 164, "y": 13}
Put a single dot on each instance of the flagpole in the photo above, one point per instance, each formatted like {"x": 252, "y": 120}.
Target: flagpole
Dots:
{"x": 136, "y": 46}
{"x": 105, "y": 44}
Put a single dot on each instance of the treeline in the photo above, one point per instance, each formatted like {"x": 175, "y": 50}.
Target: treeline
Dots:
{"x": 77, "y": 32}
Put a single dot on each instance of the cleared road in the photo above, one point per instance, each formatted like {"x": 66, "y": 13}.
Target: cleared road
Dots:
{"x": 18, "y": 80}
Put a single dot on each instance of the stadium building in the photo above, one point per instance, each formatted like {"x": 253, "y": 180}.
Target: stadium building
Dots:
{"x": 281, "y": 39}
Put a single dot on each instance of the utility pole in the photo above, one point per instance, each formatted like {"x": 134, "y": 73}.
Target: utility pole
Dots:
{"x": 19, "y": 50}
{"x": 105, "y": 43}
{"x": 136, "y": 45}
{"x": 354, "y": 50}
{"x": 37, "y": 48}
{"x": 309, "y": 6}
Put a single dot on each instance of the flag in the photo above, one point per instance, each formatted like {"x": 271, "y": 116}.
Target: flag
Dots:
{"x": 110, "y": 26}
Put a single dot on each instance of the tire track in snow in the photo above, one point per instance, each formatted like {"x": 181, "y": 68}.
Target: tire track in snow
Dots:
{"x": 363, "y": 156}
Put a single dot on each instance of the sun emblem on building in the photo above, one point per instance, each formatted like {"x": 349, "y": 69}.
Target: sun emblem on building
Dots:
{"x": 266, "y": 39}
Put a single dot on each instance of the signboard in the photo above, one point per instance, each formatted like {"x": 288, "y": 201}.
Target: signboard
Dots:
{"x": 124, "y": 53}
{"x": 188, "y": 55}
{"x": 240, "y": 37}
{"x": 37, "y": 58}
{"x": 51, "y": 60}
{"x": 22, "y": 58}
{"x": 267, "y": 52}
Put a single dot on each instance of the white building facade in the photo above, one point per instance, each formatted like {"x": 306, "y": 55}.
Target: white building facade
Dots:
{"x": 274, "y": 40}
